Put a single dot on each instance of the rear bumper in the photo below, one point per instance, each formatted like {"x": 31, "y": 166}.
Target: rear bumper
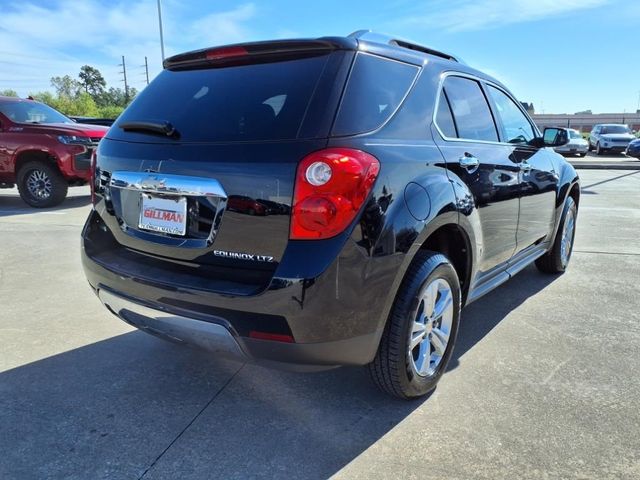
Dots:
{"x": 335, "y": 318}
{"x": 572, "y": 148}
{"x": 221, "y": 340}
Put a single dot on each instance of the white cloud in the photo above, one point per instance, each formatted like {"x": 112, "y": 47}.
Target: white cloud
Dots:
{"x": 460, "y": 15}
{"x": 39, "y": 42}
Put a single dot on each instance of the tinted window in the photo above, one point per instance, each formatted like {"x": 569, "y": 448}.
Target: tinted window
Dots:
{"x": 32, "y": 112}
{"x": 615, "y": 129}
{"x": 444, "y": 118}
{"x": 375, "y": 89}
{"x": 574, "y": 134}
{"x": 251, "y": 102}
{"x": 517, "y": 128}
{"x": 470, "y": 109}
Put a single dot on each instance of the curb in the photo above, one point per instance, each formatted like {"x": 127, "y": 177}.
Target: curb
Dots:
{"x": 606, "y": 166}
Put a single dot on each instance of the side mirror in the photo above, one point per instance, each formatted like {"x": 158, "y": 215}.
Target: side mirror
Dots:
{"x": 555, "y": 137}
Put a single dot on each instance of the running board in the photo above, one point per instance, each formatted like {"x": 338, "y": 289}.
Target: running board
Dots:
{"x": 512, "y": 269}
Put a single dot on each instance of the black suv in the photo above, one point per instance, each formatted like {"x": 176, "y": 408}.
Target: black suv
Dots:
{"x": 407, "y": 185}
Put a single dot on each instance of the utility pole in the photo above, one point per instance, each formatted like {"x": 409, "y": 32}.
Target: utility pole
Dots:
{"x": 124, "y": 75}
{"x": 146, "y": 69}
{"x": 161, "y": 34}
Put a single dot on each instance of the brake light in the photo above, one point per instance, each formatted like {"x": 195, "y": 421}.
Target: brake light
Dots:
{"x": 92, "y": 177}
{"x": 331, "y": 186}
{"x": 226, "y": 52}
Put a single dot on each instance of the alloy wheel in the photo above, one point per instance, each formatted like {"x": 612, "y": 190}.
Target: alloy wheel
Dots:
{"x": 431, "y": 328}
{"x": 39, "y": 184}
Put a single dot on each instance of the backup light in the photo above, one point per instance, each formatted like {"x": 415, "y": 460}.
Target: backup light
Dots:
{"x": 318, "y": 173}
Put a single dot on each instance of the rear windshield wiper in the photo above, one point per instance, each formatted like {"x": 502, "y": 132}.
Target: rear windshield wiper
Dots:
{"x": 148, "y": 126}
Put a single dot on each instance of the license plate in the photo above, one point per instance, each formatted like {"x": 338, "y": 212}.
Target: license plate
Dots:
{"x": 165, "y": 215}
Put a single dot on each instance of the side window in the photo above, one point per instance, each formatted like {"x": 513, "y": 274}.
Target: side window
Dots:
{"x": 444, "y": 117}
{"x": 375, "y": 89}
{"x": 470, "y": 109}
{"x": 517, "y": 128}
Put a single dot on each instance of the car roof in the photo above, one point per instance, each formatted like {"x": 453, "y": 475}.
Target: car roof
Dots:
{"x": 4, "y": 99}
{"x": 363, "y": 40}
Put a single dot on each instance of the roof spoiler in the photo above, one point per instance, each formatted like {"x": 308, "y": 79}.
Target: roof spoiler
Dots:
{"x": 244, "y": 53}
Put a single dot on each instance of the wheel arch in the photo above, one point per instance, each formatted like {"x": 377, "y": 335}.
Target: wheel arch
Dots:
{"x": 32, "y": 154}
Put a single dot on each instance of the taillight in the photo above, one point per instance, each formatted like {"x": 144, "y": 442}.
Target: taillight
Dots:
{"x": 92, "y": 177}
{"x": 331, "y": 186}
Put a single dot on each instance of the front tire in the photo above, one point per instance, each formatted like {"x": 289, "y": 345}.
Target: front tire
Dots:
{"x": 557, "y": 259}
{"x": 41, "y": 185}
{"x": 421, "y": 331}
{"x": 599, "y": 151}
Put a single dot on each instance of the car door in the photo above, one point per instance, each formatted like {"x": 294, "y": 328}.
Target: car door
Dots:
{"x": 537, "y": 177}
{"x": 467, "y": 136}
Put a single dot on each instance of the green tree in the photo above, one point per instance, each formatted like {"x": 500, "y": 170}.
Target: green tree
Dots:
{"x": 66, "y": 86}
{"x": 92, "y": 81}
{"x": 116, "y": 97}
{"x": 8, "y": 93}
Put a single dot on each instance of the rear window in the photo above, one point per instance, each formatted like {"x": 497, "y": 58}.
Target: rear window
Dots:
{"x": 242, "y": 103}
{"x": 375, "y": 89}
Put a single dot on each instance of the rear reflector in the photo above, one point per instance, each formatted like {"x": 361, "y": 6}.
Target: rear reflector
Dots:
{"x": 331, "y": 186}
{"x": 274, "y": 337}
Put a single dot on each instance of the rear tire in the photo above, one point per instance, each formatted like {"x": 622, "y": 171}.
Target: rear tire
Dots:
{"x": 421, "y": 330}
{"x": 557, "y": 259}
{"x": 41, "y": 184}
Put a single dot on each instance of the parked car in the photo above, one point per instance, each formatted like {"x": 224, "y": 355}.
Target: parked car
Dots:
{"x": 417, "y": 185}
{"x": 244, "y": 204}
{"x": 576, "y": 145}
{"x": 274, "y": 208}
{"x": 610, "y": 137}
{"x": 633, "y": 150}
{"x": 42, "y": 151}
{"x": 107, "y": 122}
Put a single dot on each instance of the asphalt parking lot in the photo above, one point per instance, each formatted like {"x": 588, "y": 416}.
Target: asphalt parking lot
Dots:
{"x": 543, "y": 383}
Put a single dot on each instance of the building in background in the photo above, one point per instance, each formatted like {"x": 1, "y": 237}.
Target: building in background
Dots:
{"x": 584, "y": 121}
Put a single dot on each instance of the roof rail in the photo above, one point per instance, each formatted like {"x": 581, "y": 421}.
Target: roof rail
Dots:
{"x": 368, "y": 35}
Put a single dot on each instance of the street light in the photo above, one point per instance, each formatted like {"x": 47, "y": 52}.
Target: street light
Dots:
{"x": 160, "y": 25}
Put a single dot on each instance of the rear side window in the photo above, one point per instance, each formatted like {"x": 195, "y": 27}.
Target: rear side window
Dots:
{"x": 242, "y": 103}
{"x": 517, "y": 128}
{"x": 470, "y": 109}
{"x": 375, "y": 89}
{"x": 444, "y": 117}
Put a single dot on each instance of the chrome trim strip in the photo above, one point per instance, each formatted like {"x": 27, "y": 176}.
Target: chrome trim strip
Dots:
{"x": 209, "y": 336}
{"x": 166, "y": 184}
{"x": 481, "y": 80}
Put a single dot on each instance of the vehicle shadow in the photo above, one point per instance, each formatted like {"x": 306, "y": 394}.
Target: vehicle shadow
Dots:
{"x": 133, "y": 406}
{"x": 11, "y": 205}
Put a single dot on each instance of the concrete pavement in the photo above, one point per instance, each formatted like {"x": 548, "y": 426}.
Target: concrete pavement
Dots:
{"x": 543, "y": 383}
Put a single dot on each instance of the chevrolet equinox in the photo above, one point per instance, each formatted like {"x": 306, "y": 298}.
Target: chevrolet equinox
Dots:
{"x": 383, "y": 184}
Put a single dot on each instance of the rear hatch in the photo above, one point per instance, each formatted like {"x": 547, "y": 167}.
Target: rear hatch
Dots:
{"x": 198, "y": 173}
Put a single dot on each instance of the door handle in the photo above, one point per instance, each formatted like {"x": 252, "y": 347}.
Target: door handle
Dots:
{"x": 469, "y": 162}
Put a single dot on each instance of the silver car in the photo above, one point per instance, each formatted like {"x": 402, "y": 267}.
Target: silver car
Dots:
{"x": 576, "y": 146}
{"x": 612, "y": 137}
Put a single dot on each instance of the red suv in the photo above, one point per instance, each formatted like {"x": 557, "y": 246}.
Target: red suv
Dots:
{"x": 42, "y": 151}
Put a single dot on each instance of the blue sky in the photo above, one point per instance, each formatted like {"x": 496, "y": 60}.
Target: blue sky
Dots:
{"x": 562, "y": 55}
